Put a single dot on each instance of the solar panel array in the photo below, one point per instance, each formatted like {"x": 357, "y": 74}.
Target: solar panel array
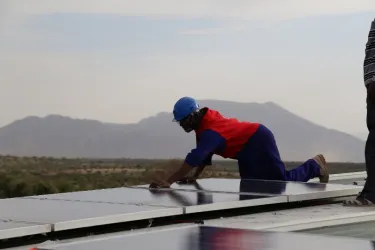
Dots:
{"x": 57, "y": 212}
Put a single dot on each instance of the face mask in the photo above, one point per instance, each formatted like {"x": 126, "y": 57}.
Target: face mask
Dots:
{"x": 187, "y": 124}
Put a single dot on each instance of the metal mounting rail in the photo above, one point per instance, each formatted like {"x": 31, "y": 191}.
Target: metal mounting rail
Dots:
{"x": 345, "y": 176}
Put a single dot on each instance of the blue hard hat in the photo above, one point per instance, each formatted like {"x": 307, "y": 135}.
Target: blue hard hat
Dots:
{"x": 184, "y": 107}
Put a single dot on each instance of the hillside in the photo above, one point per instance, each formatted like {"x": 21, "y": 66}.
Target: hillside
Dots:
{"x": 158, "y": 137}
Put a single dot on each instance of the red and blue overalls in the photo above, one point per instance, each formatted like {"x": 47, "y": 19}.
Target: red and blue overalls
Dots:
{"x": 252, "y": 144}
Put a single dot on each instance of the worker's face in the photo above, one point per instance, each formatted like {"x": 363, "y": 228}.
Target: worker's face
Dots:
{"x": 186, "y": 124}
{"x": 189, "y": 123}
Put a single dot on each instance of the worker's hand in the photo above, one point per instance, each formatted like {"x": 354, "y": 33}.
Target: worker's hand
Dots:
{"x": 187, "y": 180}
{"x": 159, "y": 184}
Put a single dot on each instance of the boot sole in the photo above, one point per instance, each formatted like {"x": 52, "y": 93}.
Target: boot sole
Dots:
{"x": 324, "y": 177}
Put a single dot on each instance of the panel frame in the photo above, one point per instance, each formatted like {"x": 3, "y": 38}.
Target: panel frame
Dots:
{"x": 51, "y": 245}
{"x": 23, "y": 229}
{"x": 325, "y": 194}
{"x": 96, "y": 220}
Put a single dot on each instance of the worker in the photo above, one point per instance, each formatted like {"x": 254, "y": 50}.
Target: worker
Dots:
{"x": 252, "y": 144}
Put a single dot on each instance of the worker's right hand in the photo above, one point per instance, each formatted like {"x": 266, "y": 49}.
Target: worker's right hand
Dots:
{"x": 159, "y": 184}
{"x": 187, "y": 180}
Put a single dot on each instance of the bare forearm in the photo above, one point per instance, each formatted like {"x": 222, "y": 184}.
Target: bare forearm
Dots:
{"x": 180, "y": 173}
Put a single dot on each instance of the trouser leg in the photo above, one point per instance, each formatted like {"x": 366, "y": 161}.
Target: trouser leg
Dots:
{"x": 305, "y": 172}
{"x": 261, "y": 159}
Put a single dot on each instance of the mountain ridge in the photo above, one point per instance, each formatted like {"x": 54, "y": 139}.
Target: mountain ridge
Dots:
{"x": 158, "y": 137}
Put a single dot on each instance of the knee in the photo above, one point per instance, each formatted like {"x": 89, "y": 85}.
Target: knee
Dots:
{"x": 283, "y": 176}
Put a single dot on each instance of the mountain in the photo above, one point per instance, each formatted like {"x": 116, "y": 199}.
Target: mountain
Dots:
{"x": 158, "y": 137}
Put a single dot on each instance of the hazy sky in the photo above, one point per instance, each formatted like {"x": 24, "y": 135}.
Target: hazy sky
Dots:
{"x": 120, "y": 60}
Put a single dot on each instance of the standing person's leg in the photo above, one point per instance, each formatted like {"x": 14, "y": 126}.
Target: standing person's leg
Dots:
{"x": 369, "y": 187}
{"x": 367, "y": 196}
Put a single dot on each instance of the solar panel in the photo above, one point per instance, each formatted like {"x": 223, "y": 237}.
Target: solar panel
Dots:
{"x": 215, "y": 238}
{"x": 191, "y": 201}
{"x": 296, "y": 191}
{"x": 70, "y": 214}
{"x": 12, "y": 229}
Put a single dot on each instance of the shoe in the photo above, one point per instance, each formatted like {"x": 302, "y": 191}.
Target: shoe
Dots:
{"x": 359, "y": 201}
{"x": 324, "y": 175}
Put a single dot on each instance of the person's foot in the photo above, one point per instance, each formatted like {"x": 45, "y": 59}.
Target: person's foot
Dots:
{"x": 324, "y": 175}
{"x": 359, "y": 201}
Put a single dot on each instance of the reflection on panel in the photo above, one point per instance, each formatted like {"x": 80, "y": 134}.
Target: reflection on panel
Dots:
{"x": 229, "y": 186}
{"x": 261, "y": 187}
{"x": 212, "y": 238}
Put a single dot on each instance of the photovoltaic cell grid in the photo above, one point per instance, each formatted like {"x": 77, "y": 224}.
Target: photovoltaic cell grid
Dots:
{"x": 99, "y": 207}
{"x": 214, "y": 238}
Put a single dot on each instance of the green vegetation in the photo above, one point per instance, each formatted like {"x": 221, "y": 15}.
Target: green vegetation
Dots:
{"x": 24, "y": 176}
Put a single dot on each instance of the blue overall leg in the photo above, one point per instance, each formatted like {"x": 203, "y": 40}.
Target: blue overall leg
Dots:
{"x": 260, "y": 159}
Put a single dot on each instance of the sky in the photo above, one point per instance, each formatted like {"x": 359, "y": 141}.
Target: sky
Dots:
{"x": 120, "y": 60}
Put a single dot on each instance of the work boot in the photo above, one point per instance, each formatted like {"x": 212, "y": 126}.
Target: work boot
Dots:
{"x": 324, "y": 175}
